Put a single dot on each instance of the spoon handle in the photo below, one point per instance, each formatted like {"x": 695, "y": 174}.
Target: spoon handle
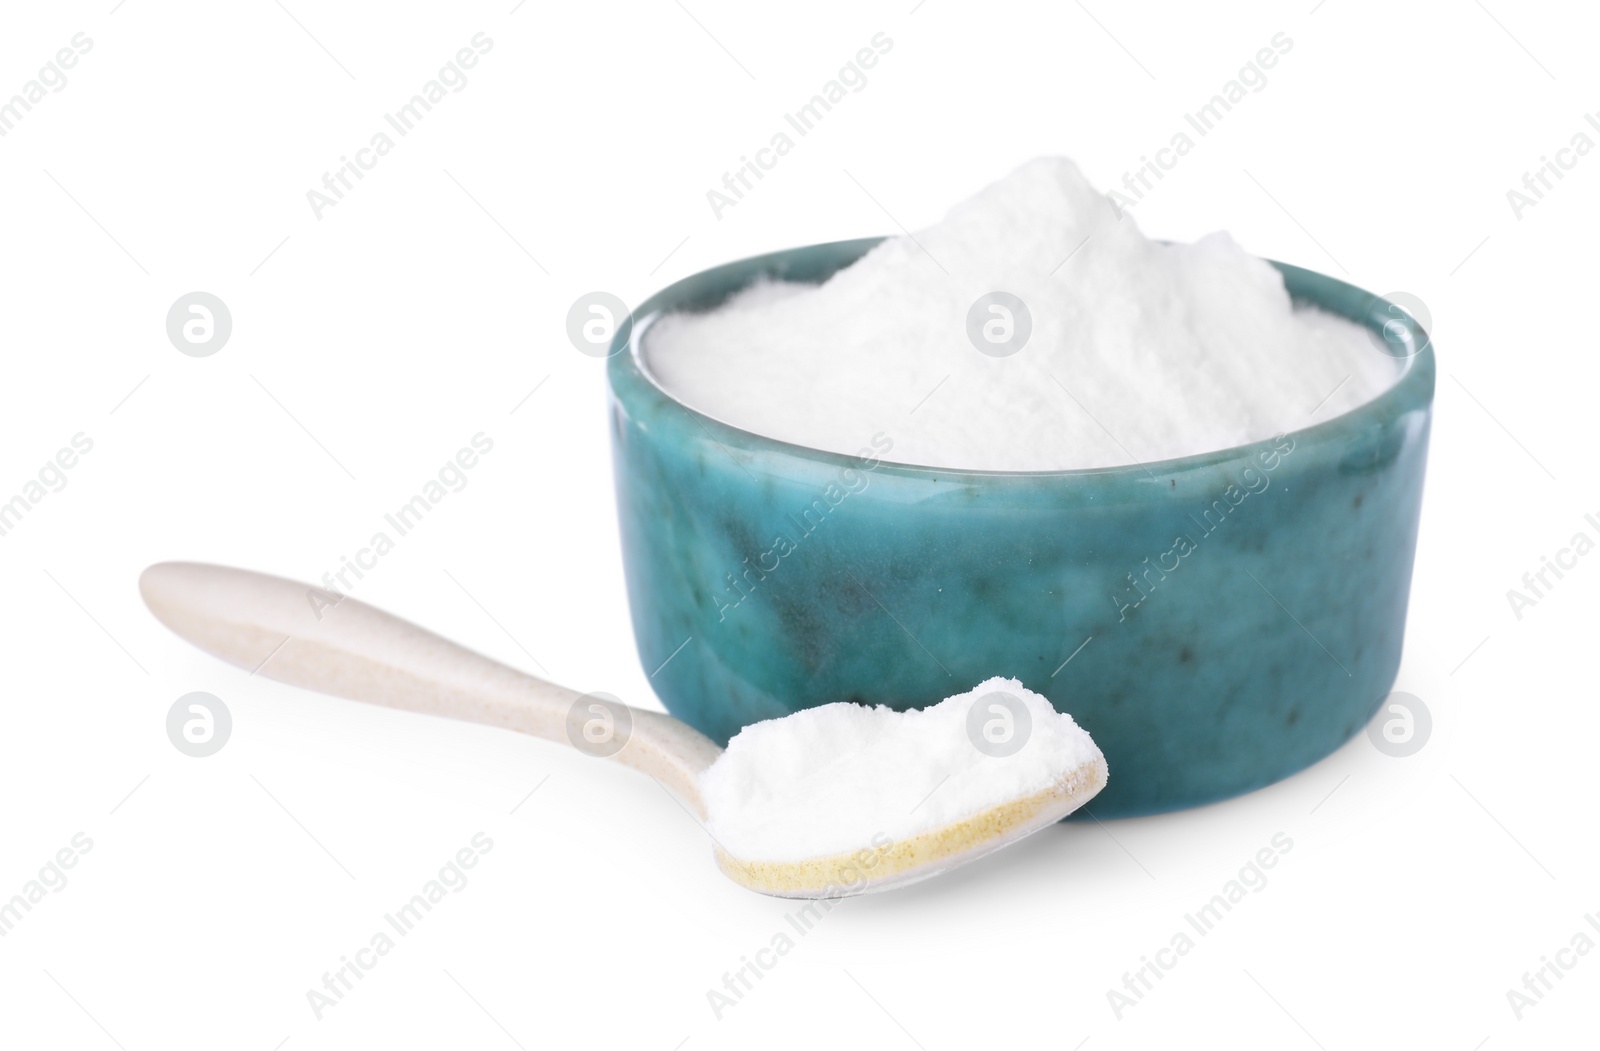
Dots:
{"x": 320, "y": 640}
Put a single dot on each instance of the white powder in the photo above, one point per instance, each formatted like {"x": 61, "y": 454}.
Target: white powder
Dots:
{"x": 840, "y": 777}
{"x": 1137, "y": 351}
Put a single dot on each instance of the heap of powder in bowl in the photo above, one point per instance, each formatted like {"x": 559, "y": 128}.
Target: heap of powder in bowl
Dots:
{"x": 1102, "y": 348}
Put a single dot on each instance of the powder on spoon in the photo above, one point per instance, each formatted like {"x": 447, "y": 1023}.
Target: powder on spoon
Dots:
{"x": 1130, "y": 349}
{"x": 840, "y": 778}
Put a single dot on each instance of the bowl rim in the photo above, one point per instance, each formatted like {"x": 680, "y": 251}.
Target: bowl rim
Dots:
{"x": 629, "y": 375}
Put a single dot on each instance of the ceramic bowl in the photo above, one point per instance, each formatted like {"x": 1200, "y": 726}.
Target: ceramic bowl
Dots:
{"x": 1216, "y": 622}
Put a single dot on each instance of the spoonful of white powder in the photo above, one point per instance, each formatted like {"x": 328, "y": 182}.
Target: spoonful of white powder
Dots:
{"x": 842, "y": 798}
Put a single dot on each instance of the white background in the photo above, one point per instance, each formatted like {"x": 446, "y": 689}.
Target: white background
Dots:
{"x": 370, "y": 344}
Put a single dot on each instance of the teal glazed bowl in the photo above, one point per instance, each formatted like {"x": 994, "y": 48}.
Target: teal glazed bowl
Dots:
{"x": 1216, "y": 622}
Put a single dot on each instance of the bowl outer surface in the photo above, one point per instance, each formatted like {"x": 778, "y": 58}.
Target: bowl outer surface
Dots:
{"x": 1243, "y": 609}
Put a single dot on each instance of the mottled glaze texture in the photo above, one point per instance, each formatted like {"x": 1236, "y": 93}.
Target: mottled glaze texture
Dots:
{"x": 1270, "y": 643}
